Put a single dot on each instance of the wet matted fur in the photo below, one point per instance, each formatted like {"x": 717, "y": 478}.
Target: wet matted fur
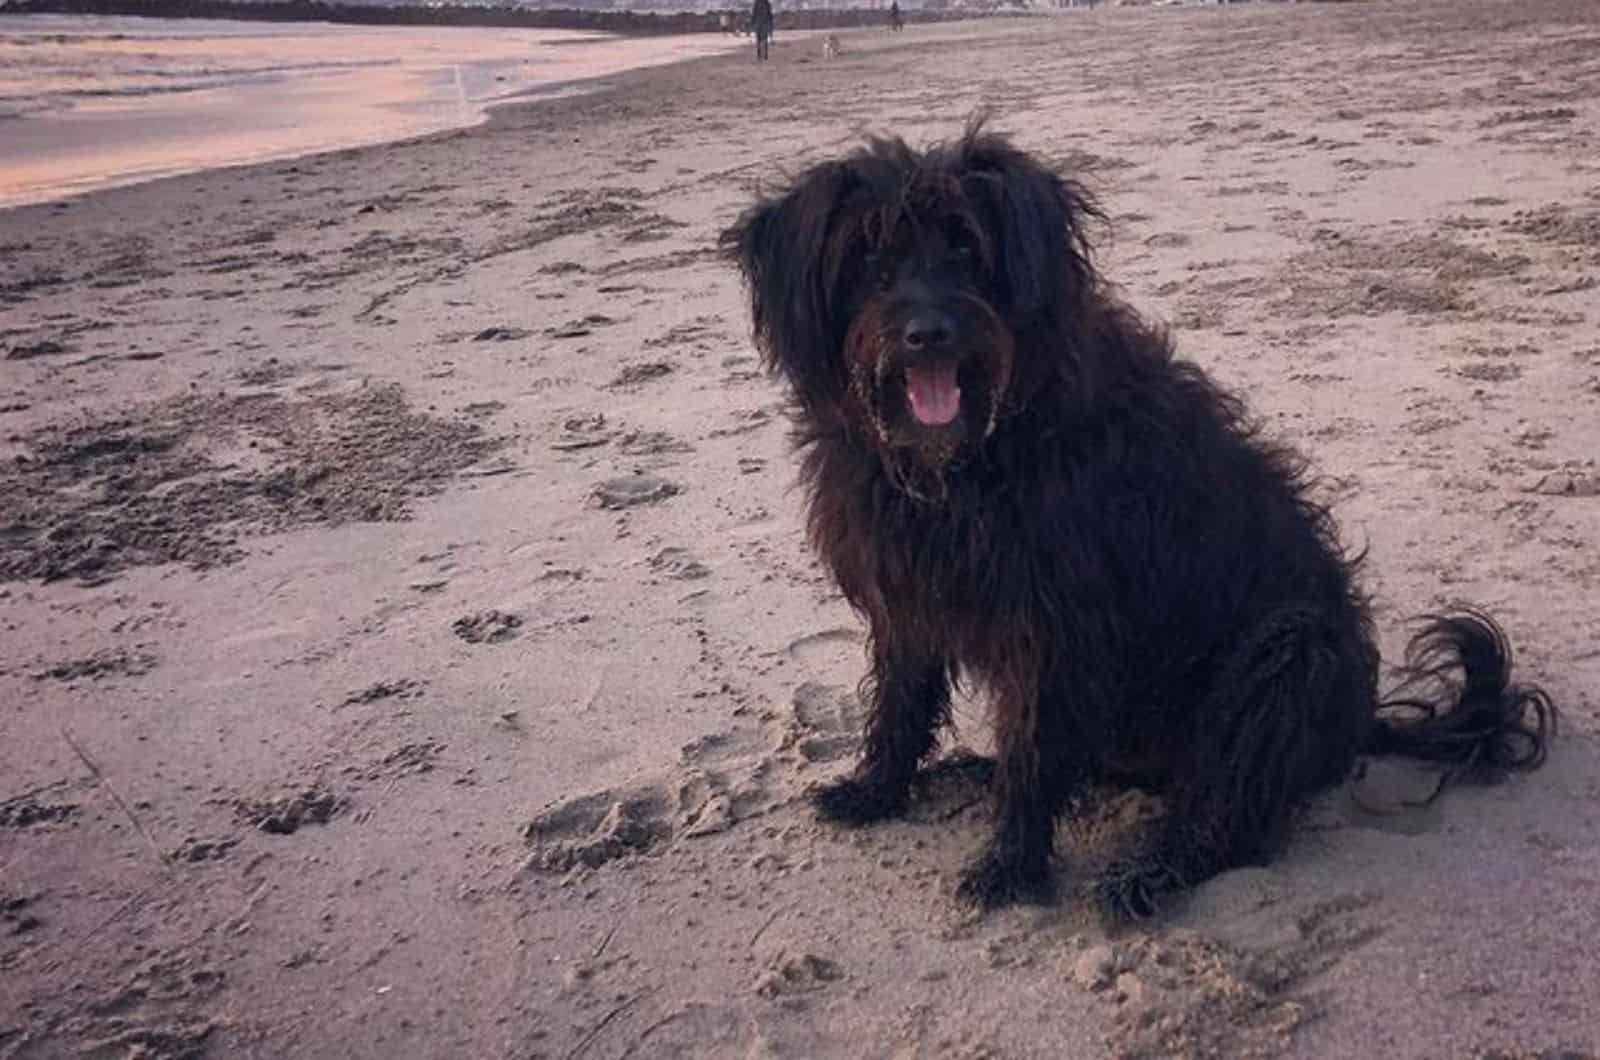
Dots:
{"x": 1016, "y": 482}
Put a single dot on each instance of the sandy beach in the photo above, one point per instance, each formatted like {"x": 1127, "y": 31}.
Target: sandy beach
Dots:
{"x": 410, "y": 648}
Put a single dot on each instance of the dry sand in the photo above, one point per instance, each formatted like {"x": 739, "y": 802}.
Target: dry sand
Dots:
{"x": 429, "y": 663}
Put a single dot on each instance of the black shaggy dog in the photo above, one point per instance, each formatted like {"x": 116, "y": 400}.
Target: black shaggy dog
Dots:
{"x": 1015, "y": 481}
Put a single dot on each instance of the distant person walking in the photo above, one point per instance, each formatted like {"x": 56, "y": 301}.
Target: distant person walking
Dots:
{"x": 761, "y": 26}
{"x": 896, "y": 23}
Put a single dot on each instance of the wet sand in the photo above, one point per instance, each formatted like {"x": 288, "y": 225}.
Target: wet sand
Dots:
{"x": 106, "y": 102}
{"x": 411, "y": 650}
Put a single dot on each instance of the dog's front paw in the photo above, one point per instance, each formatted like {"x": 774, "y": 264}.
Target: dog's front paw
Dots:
{"x": 1130, "y": 891}
{"x": 856, "y": 801}
{"x": 993, "y": 881}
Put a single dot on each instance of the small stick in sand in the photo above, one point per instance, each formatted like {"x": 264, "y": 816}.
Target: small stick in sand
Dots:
{"x": 105, "y": 782}
{"x": 616, "y": 1010}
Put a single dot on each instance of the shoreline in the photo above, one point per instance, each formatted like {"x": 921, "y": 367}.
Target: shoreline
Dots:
{"x": 401, "y": 92}
{"x": 412, "y": 646}
{"x": 627, "y": 22}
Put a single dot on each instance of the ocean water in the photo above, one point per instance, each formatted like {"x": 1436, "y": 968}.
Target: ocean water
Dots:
{"x": 90, "y": 102}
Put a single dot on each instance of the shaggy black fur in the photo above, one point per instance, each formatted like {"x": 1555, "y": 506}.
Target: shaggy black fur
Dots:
{"x": 1099, "y": 535}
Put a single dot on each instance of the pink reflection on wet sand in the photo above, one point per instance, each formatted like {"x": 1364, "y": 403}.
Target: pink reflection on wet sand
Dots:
{"x": 251, "y": 92}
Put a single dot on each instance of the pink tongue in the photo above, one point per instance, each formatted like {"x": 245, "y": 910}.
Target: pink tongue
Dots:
{"x": 935, "y": 395}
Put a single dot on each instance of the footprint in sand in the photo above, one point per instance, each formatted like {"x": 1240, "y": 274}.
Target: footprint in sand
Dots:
{"x": 1219, "y": 998}
{"x": 745, "y": 421}
{"x": 590, "y": 830}
{"x": 720, "y": 780}
{"x": 633, "y": 375}
{"x": 159, "y": 1004}
{"x": 1566, "y": 483}
{"x": 788, "y": 974}
{"x": 573, "y": 329}
{"x": 501, "y": 333}
{"x": 651, "y": 443}
{"x": 632, "y": 491}
{"x": 829, "y": 648}
{"x": 678, "y": 563}
{"x": 487, "y": 627}
{"x": 725, "y": 778}
{"x": 1392, "y": 796}
{"x": 826, "y": 724}
{"x": 586, "y": 431}
{"x": 697, "y": 333}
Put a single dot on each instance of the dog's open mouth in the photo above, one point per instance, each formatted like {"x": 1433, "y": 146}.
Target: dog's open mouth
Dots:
{"x": 934, "y": 393}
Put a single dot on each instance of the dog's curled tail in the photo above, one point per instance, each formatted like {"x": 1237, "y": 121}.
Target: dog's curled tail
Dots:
{"x": 1482, "y": 725}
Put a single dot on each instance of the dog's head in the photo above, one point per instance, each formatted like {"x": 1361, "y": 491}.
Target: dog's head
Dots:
{"x": 919, "y": 296}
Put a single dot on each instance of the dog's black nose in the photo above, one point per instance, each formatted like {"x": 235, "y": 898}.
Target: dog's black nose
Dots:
{"x": 926, "y": 331}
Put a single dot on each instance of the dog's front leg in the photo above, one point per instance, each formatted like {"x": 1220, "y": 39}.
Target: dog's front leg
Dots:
{"x": 908, "y": 699}
{"x": 1015, "y": 866}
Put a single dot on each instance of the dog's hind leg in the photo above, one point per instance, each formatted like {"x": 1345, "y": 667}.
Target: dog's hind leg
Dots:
{"x": 908, "y": 700}
{"x": 1284, "y": 719}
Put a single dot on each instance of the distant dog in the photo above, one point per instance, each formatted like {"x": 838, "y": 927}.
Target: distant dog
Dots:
{"x": 830, "y": 46}
{"x": 1014, "y": 480}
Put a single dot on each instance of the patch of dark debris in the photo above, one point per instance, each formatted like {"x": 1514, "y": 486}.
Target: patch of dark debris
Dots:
{"x": 1076, "y": 160}
{"x": 27, "y": 812}
{"x": 268, "y": 372}
{"x": 26, "y": 351}
{"x": 286, "y": 814}
{"x": 501, "y": 333}
{"x": 400, "y": 688}
{"x": 183, "y": 480}
{"x": 634, "y": 374}
{"x": 16, "y": 913}
{"x": 411, "y": 759}
{"x": 117, "y": 662}
{"x": 580, "y": 327}
{"x": 400, "y": 250}
{"x": 20, "y": 288}
{"x": 196, "y": 849}
{"x": 1519, "y": 117}
{"x": 1557, "y": 223}
{"x": 487, "y": 627}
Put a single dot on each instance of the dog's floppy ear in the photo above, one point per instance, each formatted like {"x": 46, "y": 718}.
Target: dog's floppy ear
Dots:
{"x": 1045, "y": 260}
{"x": 782, "y": 246}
